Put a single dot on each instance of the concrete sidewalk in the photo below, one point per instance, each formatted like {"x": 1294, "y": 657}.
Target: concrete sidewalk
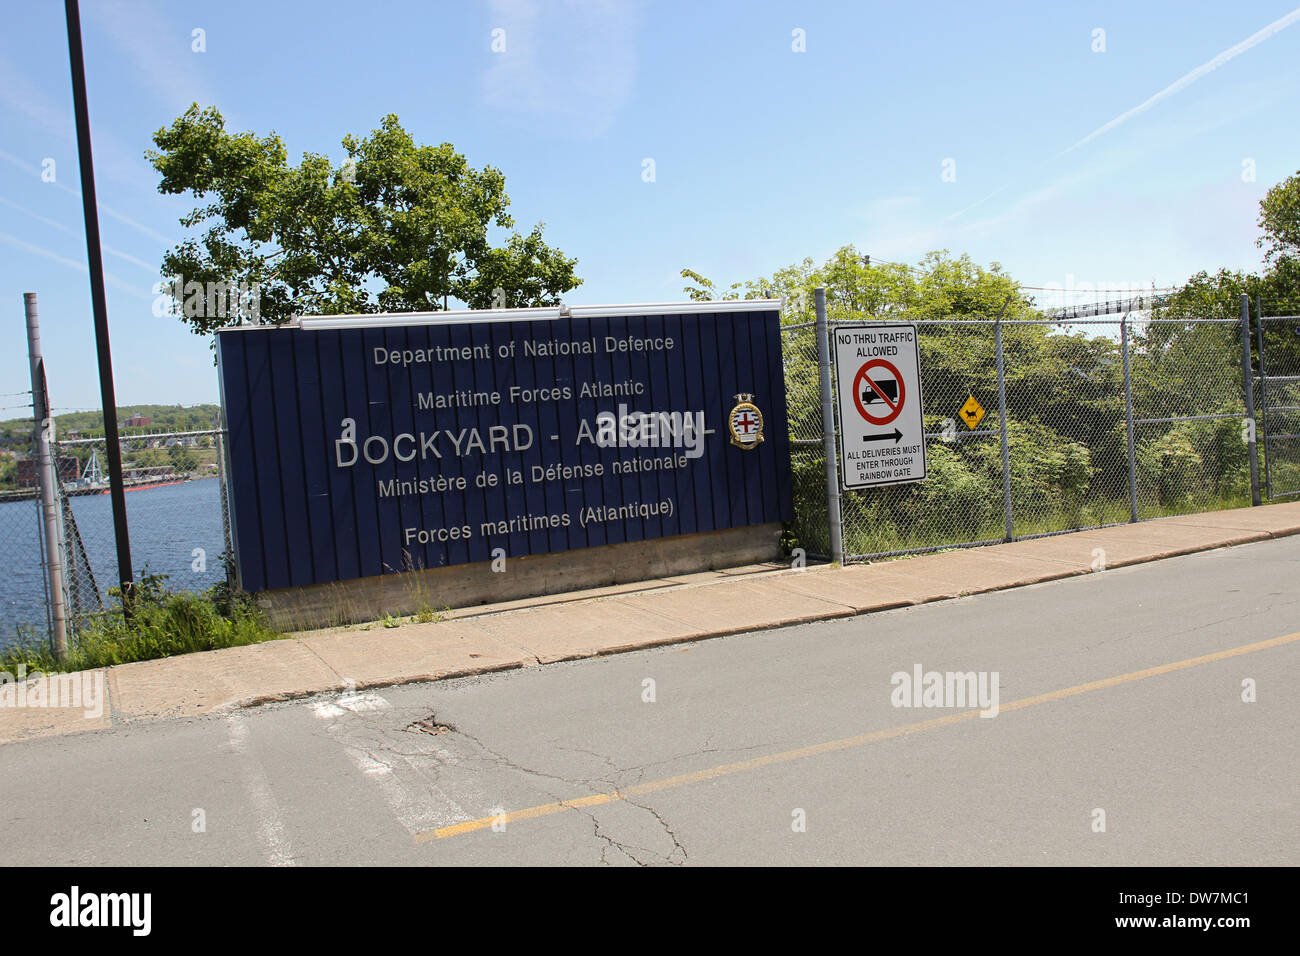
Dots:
{"x": 627, "y": 617}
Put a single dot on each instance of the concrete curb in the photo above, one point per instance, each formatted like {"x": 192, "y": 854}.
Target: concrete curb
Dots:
{"x": 219, "y": 682}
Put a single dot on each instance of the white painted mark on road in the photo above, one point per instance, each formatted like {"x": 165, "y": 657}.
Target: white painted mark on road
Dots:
{"x": 349, "y": 702}
{"x": 327, "y": 710}
{"x": 361, "y": 703}
{"x": 270, "y": 827}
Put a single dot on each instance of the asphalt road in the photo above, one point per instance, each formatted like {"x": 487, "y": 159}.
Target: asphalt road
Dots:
{"x": 745, "y": 739}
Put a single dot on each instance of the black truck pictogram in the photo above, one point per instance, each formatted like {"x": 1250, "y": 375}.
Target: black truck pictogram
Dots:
{"x": 889, "y": 386}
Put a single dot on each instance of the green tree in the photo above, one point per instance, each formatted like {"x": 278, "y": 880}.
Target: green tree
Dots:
{"x": 1217, "y": 296}
{"x": 396, "y": 227}
{"x": 939, "y": 286}
{"x": 1279, "y": 217}
{"x": 703, "y": 290}
{"x": 182, "y": 459}
{"x": 148, "y": 458}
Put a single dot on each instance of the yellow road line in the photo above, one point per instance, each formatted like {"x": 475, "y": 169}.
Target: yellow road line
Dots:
{"x": 713, "y": 773}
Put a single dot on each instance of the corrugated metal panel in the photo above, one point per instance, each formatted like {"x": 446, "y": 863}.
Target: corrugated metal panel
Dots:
{"x": 301, "y": 518}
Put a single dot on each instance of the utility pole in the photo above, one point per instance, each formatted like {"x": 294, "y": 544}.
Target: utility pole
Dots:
{"x": 99, "y": 303}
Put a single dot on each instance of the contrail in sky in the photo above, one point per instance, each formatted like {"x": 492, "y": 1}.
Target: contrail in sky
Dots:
{"x": 60, "y": 226}
{"x": 1182, "y": 83}
{"x": 106, "y": 210}
{"x": 1178, "y": 85}
{"x": 34, "y": 249}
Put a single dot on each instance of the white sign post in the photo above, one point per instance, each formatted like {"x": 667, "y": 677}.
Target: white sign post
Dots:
{"x": 882, "y": 432}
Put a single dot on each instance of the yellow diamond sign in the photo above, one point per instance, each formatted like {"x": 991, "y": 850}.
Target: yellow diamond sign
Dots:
{"x": 972, "y": 413}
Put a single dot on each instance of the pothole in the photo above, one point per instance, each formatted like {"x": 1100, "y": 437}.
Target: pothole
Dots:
{"x": 428, "y": 725}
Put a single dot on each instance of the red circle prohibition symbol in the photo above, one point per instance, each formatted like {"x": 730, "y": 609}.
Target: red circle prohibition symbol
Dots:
{"x": 862, "y": 378}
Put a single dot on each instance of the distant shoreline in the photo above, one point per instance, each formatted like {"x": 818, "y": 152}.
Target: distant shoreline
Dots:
{"x": 29, "y": 494}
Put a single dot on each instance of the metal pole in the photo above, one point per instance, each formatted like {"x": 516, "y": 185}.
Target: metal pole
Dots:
{"x": 834, "y": 524}
{"x": 47, "y": 474}
{"x": 228, "y": 557}
{"x": 1128, "y": 420}
{"x": 99, "y": 303}
{"x": 1248, "y": 388}
{"x": 1006, "y": 444}
{"x": 1263, "y": 392}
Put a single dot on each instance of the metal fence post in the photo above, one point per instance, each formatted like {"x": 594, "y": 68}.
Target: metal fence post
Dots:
{"x": 228, "y": 557}
{"x": 835, "y": 526}
{"x": 1263, "y": 391}
{"x": 1006, "y": 444}
{"x": 1128, "y": 421}
{"x": 1248, "y": 388}
{"x": 47, "y": 473}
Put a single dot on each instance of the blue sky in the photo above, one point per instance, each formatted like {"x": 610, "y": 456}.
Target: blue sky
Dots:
{"x": 763, "y": 155}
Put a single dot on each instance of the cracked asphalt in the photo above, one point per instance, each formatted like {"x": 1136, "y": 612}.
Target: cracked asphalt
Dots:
{"x": 734, "y": 750}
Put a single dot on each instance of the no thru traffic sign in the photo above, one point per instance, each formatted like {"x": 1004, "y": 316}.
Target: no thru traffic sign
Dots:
{"x": 882, "y": 434}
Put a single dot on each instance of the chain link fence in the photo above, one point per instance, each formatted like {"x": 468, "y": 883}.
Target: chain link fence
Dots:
{"x": 176, "y": 515}
{"x": 1278, "y": 343}
{"x": 24, "y": 595}
{"x": 961, "y": 500}
{"x": 1098, "y": 421}
{"x": 175, "y": 512}
{"x": 1190, "y": 419}
{"x": 810, "y": 529}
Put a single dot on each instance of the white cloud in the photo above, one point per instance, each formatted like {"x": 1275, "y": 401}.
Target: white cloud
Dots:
{"x": 159, "y": 51}
{"x": 25, "y": 97}
{"x": 54, "y": 121}
{"x": 575, "y": 63}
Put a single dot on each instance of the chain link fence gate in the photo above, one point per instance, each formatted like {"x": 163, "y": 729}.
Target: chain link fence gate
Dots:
{"x": 1086, "y": 423}
{"x": 1278, "y": 344}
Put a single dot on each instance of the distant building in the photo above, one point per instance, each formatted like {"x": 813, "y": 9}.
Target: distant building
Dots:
{"x": 137, "y": 421}
{"x": 26, "y": 473}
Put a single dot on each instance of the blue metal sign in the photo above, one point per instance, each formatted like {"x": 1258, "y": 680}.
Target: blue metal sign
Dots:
{"x": 365, "y": 445}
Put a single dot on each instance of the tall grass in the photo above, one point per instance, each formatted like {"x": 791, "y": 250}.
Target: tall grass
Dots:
{"x": 162, "y": 624}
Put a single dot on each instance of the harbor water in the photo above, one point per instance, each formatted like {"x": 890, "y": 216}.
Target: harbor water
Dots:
{"x": 168, "y": 524}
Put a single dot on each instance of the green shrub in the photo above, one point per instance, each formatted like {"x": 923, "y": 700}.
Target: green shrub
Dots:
{"x": 1049, "y": 473}
{"x": 954, "y": 497}
{"x": 1225, "y": 457}
{"x": 1170, "y": 465}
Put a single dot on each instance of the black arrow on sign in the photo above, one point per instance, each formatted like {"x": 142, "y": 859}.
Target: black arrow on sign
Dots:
{"x": 895, "y": 434}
